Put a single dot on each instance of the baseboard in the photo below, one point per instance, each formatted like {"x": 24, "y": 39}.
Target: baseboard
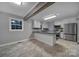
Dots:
{"x": 2, "y": 45}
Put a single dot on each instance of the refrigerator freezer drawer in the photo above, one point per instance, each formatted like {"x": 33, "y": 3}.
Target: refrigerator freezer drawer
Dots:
{"x": 70, "y": 37}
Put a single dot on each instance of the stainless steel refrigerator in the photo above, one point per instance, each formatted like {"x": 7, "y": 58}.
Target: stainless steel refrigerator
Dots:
{"x": 70, "y": 31}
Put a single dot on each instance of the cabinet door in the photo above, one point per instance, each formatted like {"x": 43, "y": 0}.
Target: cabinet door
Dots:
{"x": 36, "y": 24}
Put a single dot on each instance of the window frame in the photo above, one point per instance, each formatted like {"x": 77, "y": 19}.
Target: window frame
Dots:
{"x": 10, "y": 28}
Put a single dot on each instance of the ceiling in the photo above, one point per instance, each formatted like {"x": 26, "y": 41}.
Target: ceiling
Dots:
{"x": 62, "y": 10}
{"x": 12, "y": 8}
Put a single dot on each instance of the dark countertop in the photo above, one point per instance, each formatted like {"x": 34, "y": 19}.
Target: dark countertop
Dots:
{"x": 48, "y": 32}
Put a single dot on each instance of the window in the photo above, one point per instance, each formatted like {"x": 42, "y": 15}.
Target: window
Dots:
{"x": 16, "y": 24}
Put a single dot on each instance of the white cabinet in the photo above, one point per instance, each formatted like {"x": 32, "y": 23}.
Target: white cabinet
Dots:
{"x": 49, "y": 39}
{"x": 44, "y": 25}
{"x": 51, "y": 26}
{"x": 36, "y": 24}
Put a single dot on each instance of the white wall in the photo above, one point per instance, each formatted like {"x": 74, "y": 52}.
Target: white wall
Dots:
{"x": 7, "y": 36}
{"x": 65, "y": 21}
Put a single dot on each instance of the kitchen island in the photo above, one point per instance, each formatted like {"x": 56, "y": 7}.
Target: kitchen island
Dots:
{"x": 45, "y": 37}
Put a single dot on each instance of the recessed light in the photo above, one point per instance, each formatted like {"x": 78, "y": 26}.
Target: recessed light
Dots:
{"x": 50, "y": 17}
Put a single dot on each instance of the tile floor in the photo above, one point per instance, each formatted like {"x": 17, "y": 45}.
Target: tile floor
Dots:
{"x": 34, "y": 48}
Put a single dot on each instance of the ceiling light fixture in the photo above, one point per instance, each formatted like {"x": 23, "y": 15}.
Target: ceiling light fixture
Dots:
{"x": 17, "y": 2}
{"x": 49, "y": 17}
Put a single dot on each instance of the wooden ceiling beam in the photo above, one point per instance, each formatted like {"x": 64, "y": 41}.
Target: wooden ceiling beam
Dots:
{"x": 38, "y": 8}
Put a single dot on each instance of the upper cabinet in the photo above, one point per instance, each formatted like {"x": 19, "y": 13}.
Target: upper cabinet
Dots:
{"x": 44, "y": 25}
{"x": 36, "y": 24}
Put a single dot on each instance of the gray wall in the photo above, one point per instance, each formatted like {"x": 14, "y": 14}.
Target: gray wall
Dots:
{"x": 7, "y": 36}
